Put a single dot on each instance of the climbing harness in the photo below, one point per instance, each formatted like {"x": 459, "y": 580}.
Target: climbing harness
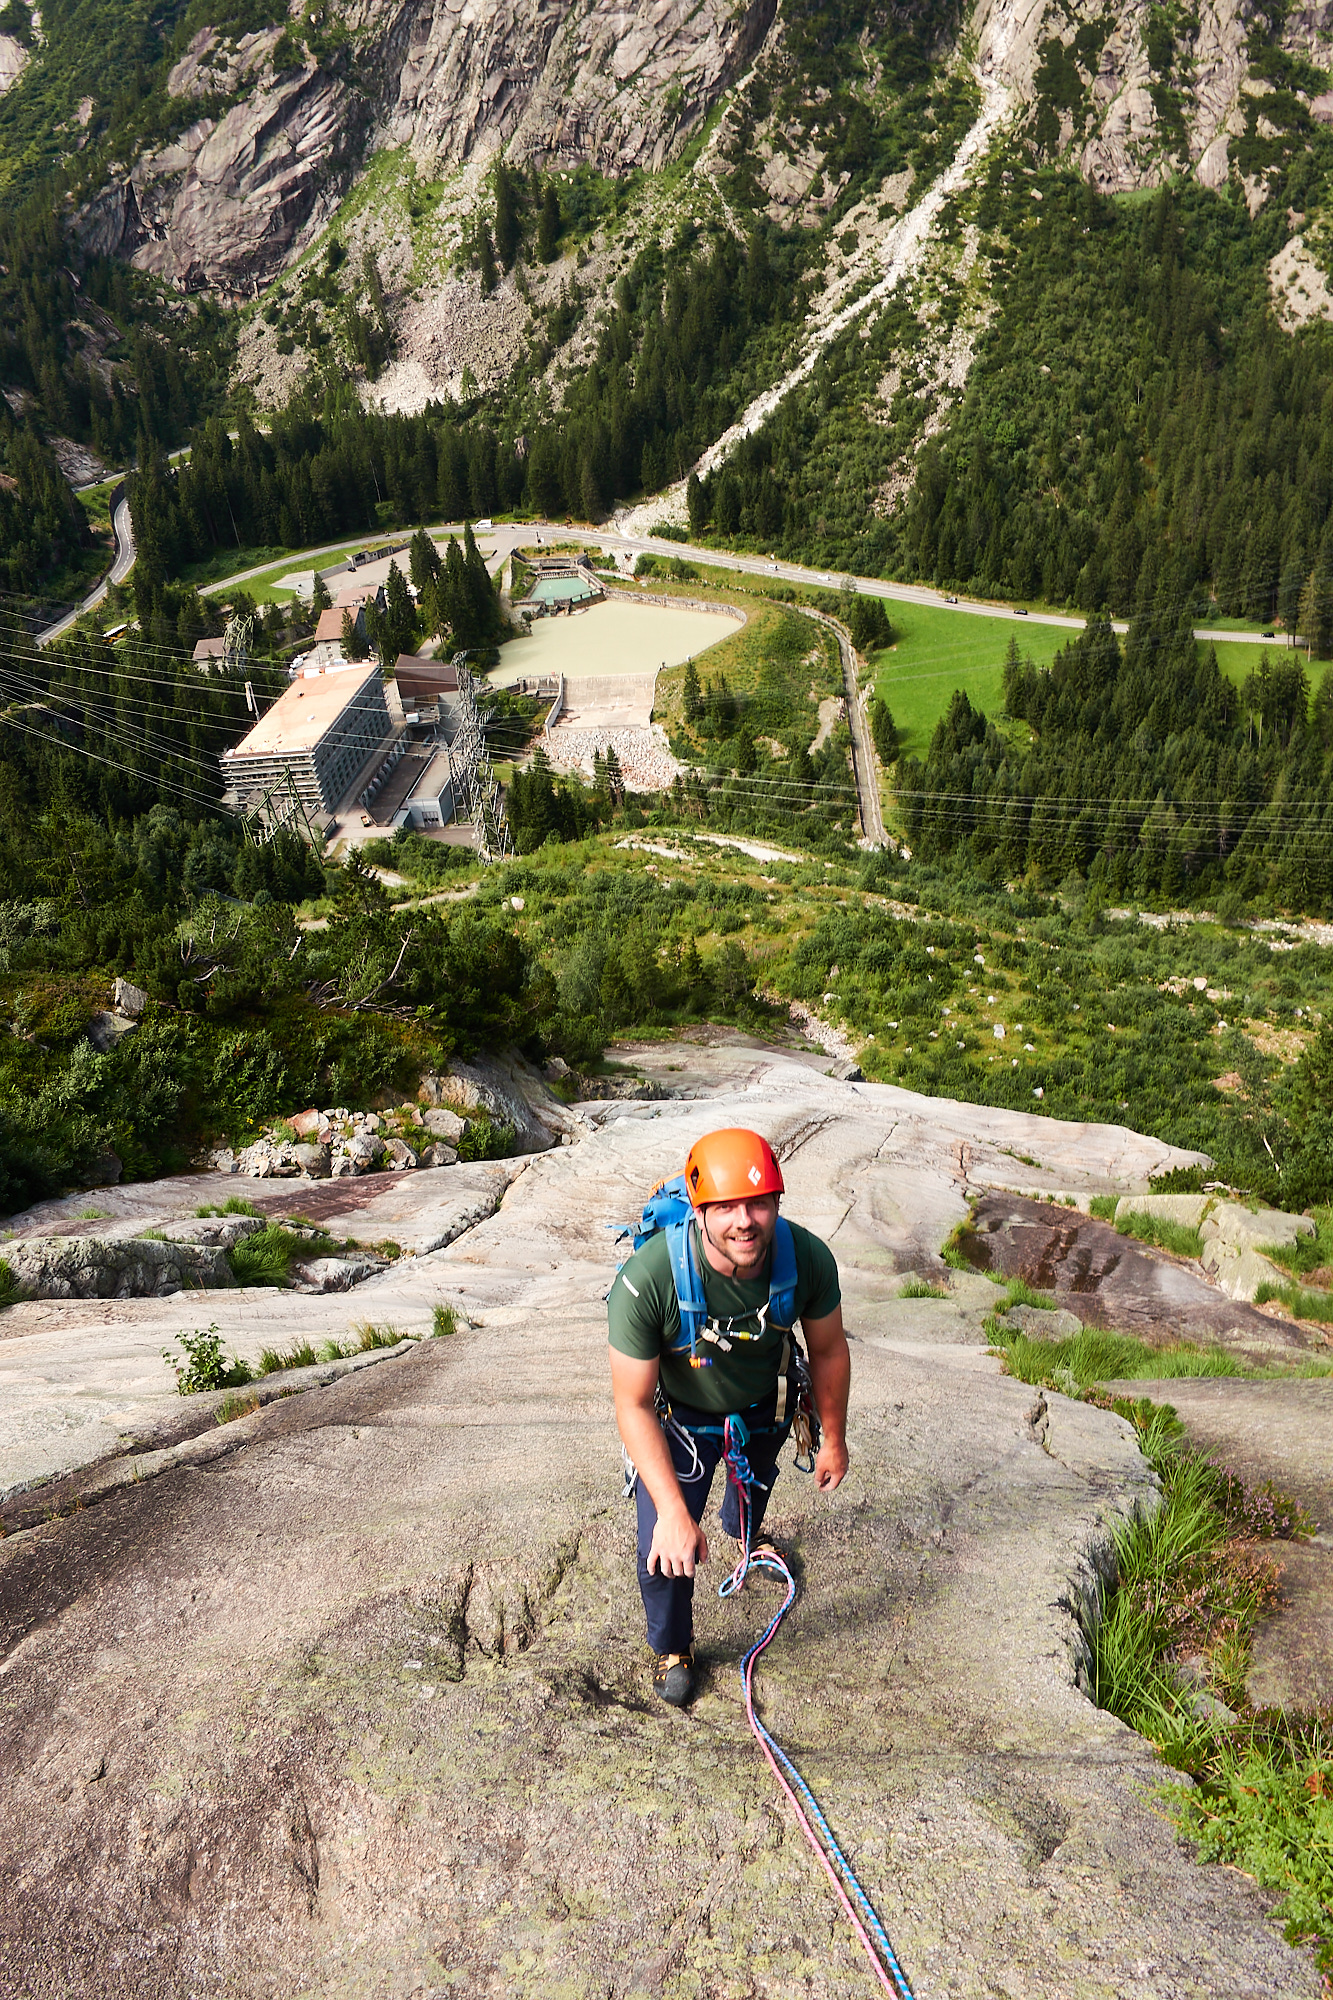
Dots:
{"x": 861, "y": 1912}
{"x": 794, "y": 1413}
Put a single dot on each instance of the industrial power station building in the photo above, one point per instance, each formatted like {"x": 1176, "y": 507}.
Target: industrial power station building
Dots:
{"x": 316, "y": 737}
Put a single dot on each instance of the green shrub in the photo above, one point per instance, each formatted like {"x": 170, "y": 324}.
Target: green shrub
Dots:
{"x": 1018, "y": 1292}
{"x": 484, "y": 1140}
{"x": 205, "y": 1366}
{"x": 232, "y": 1407}
{"x": 1179, "y": 1180}
{"x": 1094, "y": 1355}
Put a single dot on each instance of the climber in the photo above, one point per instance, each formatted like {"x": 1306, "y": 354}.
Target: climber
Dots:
{"x": 701, "y": 1321}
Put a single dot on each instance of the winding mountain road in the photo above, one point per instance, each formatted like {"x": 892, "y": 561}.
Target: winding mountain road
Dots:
{"x": 122, "y": 564}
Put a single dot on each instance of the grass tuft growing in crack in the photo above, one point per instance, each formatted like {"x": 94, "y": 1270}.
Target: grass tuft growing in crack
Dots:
{"x": 1177, "y": 1237}
{"x": 921, "y": 1288}
{"x": 1170, "y": 1653}
{"x": 1094, "y": 1355}
{"x": 1018, "y": 1292}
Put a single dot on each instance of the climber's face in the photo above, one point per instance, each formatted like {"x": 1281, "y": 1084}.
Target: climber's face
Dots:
{"x": 737, "y": 1234}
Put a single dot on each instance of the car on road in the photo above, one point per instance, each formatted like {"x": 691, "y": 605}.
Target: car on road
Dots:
{"x": 951, "y": 600}
{"x": 1020, "y": 611}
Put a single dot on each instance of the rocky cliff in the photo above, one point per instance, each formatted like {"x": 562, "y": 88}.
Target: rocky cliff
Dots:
{"x": 225, "y": 204}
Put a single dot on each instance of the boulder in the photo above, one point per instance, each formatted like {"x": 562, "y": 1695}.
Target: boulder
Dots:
{"x": 135, "y": 1267}
{"x": 398, "y": 1153}
{"x": 1256, "y": 1229}
{"x": 313, "y": 1161}
{"x": 442, "y": 1123}
{"x": 1043, "y": 1323}
{"x": 306, "y": 1123}
{"x": 439, "y": 1155}
{"x": 335, "y": 1274}
{"x": 222, "y": 1230}
{"x": 1188, "y": 1209}
{"x": 1234, "y": 1239}
{"x": 128, "y": 999}
{"x": 106, "y": 1029}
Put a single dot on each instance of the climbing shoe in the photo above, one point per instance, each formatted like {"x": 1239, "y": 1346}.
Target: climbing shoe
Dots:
{"x": 673, "y": 1677}
{"x": 763, "y": 1547}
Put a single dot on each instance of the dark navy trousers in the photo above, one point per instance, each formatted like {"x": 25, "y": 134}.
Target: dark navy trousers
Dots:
{"x": 669, "y": 1600}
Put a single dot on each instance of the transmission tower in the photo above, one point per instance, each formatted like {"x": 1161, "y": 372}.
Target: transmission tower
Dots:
{"x": 485, "y": 799}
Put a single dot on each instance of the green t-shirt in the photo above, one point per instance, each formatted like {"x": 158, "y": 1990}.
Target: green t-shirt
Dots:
{"x": 644, "y": 1321}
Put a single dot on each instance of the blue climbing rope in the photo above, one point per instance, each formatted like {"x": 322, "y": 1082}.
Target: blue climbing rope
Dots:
{"x": 861, "y": 1911}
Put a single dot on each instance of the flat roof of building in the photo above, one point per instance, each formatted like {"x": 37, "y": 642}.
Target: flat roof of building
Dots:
{"x": 434, "y": 778}
{"x": 306, "y": 711}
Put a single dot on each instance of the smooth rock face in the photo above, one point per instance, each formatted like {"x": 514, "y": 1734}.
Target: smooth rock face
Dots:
{"x": 72, "y": 1267}
{"x": 1115, "y": 1281}
{"x": 386, "y": 1665}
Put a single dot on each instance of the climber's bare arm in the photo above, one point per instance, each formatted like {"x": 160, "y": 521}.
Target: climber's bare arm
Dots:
{"x": 678, "y": 1540}
{"x": 831, "y": 1379}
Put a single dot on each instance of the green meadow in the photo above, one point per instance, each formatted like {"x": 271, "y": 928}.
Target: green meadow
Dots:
{"x": 938, "y": 649}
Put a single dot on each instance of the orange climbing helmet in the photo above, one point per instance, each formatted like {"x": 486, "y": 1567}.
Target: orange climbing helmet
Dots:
{"x": 734, "y": 1165}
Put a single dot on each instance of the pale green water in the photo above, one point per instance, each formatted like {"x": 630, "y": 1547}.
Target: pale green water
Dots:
{"x": 612, "y": 637}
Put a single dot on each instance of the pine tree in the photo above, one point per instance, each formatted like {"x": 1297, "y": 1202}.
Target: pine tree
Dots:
{"x": 508, "y": 229}
{"x": 481, "y": 591}
{"x": 747, "y": 757}
{"x": 423, "y": 560}
{"x": 884, "y": 731}
{"x": 319, "y": 596}
{"x": 353, "y": 641}
{"x": 454, "y": 597}
{"x": 486, "y": 256}
{"x": 1316, "y": 608}
{"x": 398, "y": 624}
{"x": 615, "y": 782}
{"x": 693, "y": 698}
{"x": 548, "y": 225}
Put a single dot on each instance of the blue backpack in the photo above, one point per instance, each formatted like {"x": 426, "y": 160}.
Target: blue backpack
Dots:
{"x": 669, "y": 1208}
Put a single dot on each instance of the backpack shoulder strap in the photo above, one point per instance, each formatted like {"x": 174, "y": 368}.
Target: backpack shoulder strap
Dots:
{"x": 689, "y": 1283}
{"x": 782, "y": 1276}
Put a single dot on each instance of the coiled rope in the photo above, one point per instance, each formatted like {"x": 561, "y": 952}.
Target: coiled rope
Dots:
{"x": 861, "y": 1912}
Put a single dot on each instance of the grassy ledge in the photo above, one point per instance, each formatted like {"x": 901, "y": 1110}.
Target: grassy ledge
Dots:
{"x": 1171, "y": 1642}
